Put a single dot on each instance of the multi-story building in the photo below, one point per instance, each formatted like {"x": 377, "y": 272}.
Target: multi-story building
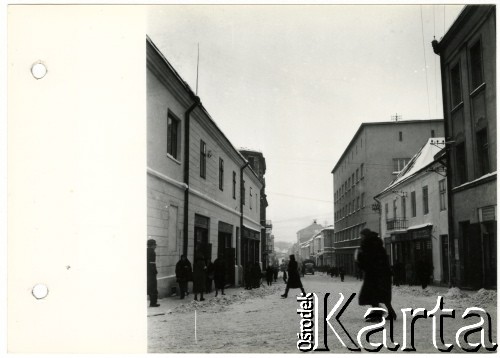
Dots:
{"x": 258, "y": 164}
{"x": 414, "y": 216}
{"x": 203, "y": 198}
{"x": 326, "y": 254}
{"x": 269, "y": 248}
{"x": 303, "y": 236}
{"x": 375, "y": 155}
{"x": 468, "y": 75}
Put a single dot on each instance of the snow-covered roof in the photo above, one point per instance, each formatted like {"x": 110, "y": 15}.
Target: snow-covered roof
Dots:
{"x": 250, "y": 149}
{"x": 476, "y": 180}
{"x": 421, "y": 160}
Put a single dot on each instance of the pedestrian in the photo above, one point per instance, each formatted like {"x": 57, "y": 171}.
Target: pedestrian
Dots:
{"x": 377, "y": 286}
{"x": 293, "y": 277}
{"x": 210, "y": 276}
{"x": 183, "y": 274}
{"x": 152, "y": 272}
{"x": 341, "y": 273}
{"x": 199, "y": 277}
{"x": 302, "y": 269}
{"x": 256, "y": 275}
{"x": 275, "y": 274}
{"x": 397, "y": 271}
{"x": 423, "y": 273}
{"x": 219, "y": 274}
{"x": 269, "y": 275}
{"x": 409, "y": 273}
{"x": 248, "y": 276}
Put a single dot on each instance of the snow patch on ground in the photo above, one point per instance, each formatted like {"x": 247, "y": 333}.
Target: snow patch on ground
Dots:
{"x": 484, "y": 297}
{"x": 455, "y": 293}
{"x": 415, "y": 291}
{"x": 220, "y": 303}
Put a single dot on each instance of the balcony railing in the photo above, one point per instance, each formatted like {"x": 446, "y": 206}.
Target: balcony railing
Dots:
{"x": 397, "y": 224}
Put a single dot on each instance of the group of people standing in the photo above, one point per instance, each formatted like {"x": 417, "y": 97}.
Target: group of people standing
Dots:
{"x": 420, "y": 273}
{"x": 203, "y": 273}
{"x": 335, "y": 271}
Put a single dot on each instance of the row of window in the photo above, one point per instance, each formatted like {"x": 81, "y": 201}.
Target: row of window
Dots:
{"x": 476, "y": 92}
{"x": 349, "y": 183}
{"x": 355, "y": 149}
{"x": 350, "y": 208}
{"x": 173, "y": 150}
{"x": 349, "y": 234}
{"x": 413, "y": 202}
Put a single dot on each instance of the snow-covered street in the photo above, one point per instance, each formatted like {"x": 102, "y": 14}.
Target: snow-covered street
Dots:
{"x": 259, "y": 320}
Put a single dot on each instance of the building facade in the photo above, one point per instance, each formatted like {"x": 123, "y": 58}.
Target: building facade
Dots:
{"x": 258, "y": 164}
{"x": 468, "y": 75}
{"x": 375, "y": 155}
{"x": 203, "y": 198}
{"x": 304, "y": 238}
{"x": 414, "y": 215}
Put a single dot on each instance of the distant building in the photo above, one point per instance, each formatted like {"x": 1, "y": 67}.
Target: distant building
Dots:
{"x": 258, "y": 163}
{"x": 414, "y": 217}
{"x": 375, "y": 155}
{"x": 468, "y": 76}
{"x": 202, "y": 197}
{"x": 304, "y": 236}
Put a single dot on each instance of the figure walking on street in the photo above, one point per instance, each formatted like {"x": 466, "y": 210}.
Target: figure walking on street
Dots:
{"x": 219, "y": 275}
{"x": 341, "y": 273}
{"x": 152, "y": 272}
{"x": 183, "y": 273}
{"x": 256, "y": 275}
{"x": 275, "y": 274}
{"x": 248, "y": 276}
{"x": 293, "y": 277}
{"x": 377, "y": 286}
{"x": 269, "y": 275}
{"x": 210, "y": 276}
{"x": 424, "y": 271}
{"x": 199, "y": 277}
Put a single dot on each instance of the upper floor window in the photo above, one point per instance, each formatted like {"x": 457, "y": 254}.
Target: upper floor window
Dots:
{"x": 243, "y": 193}
{"x": 394, "y": 208}
{"x": 460, "y": 162}
{"x": 413, "y": 199}
{"x": 456, "y": 85}
{"x": 234, "y": 185}
{"x": 399, "y": 164}
{"x": 357, "y": 175}
{"x": 361, "y": 174}
{"x": 362, "y": 200}
{"x": 352, "y": 179}
{"x": 221, "y": 174}
{"x": 203, "y": 159}
{"x": 386, "y": 211}
{"x": 251, "y": 197}
{"x": 173, "y": 136}
{"x": 400, "y": 136}
{"x": 482, "y": 151}
{"x": 476, "y": 65}
{"x": 433, "y": 134}
{"x": 403, "y": 206}
{"x": 442, "y": 194}
{"x": 425, "y": 199}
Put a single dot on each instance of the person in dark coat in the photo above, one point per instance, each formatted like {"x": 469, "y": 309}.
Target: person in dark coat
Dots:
{"x": 152, "y": 272}
{"x": 269, "y": 275}
{"x": 341, "y": 273}
{"x": 183, "y": 273}
{"x": 248, "y": 276}
{"x": 293, "y": 277}
{"x": 409, "y": 273}
{"x": 256, "y": 275}
{"x": 199, "y": 277}
{"x": 275, "y": 273}
{"x": 219, "y": 275}
{"x": 210, "y": 276}
{"x": 423, "y": 270}
{"x": 377, "y": 285}
{"x": 397, "y": 270}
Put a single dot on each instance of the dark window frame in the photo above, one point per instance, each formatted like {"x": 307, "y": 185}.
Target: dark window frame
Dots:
{"x": 203, "y": 159}
{"x": 173, "y": 138}
{"x": 425, "y": 199}
{"x": 221, "y": 174}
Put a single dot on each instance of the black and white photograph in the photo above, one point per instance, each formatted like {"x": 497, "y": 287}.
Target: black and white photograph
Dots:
{"x": 249, "y": 178}
{"x": 345, "y": 151}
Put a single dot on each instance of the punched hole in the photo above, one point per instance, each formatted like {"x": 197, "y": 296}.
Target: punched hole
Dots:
{"x": 39, "y": 70}
{"x": 40, "y": 291}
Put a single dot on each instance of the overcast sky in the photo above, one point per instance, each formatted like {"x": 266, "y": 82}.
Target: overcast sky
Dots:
{"x": 296, "y": 82}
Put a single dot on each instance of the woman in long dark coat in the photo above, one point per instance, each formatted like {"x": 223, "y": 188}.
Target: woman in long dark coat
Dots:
{"x": 377, "y": 285}
{"x": 219, "y": 275}
{"x": 293, "y": 277}
{"x": 199, "y": 277}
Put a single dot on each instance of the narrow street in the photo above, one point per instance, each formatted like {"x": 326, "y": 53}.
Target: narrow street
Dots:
{"x": 259, "y": 320}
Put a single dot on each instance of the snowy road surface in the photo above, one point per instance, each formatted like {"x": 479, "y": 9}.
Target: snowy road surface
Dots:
{"x": 260, "y": 321}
